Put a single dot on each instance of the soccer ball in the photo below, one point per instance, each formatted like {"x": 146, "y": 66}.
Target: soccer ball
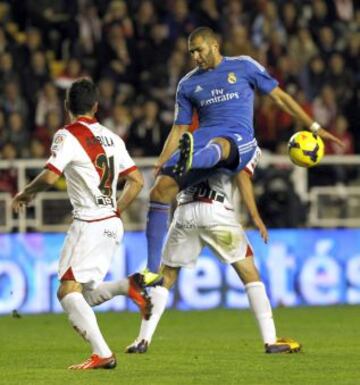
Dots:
{"x": 305, "y": 149}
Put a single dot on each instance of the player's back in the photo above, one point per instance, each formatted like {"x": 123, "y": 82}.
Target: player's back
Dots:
{"x": 92, "y": 158}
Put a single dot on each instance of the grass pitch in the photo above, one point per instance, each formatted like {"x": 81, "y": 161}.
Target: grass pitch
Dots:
{"x": 209, "y": 347}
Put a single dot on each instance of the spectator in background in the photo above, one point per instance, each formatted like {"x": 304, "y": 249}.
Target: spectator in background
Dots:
{"x": 326, "y": 42}
{"x": 144, "y": 19}
{"x": 90, "y": 28}
{"x": 233, "y": 15}
{"x": 37, "y": 150}
{"x": 58, "y": 18}
{"x": 12, "y": 101}
{"x": 340, "y": 78}
{"x": 276, "y": 48}
{"x": 7, "y": 70}
{"x": 238, "y": 42}
{"x": 289, "y": 14}
{"x": 34, "y": 78}
{"x": 4, "y": 43}
{"x": 302, "y": 47}
{"x": 154, "y": 68}
{"x": 17, "y": 134}
{"x": 352, "y": 53}
{"x": 115, "y": 60}
{"x": 207, "y": 13}
{"x": 340, "y": 129}
{"x": 45, "y": 132}
{"x": 119, "y": 121}
{"x": 33, "y": 43}
{"x": 48, "y": 101}
{"x": 265, "y": 23}
{"x": 147, "y": 134}
{"x": 8, "y": 177}
{"x": 280, "y": 197}
{"x": 72, "y": 71}
{"x": 320, "y": 17}
{"x": 117, "y": 13}
{"x": 325, "y": 107}
{"x": 314, "y": 77}
{"x": 2, "y": 128}
{"x": 107, "y": 93}
{"x": 180, "y": 20}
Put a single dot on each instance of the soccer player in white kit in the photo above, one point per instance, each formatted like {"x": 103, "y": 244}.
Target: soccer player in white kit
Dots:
{"x": 92, "y": 158}
{"x": 205, "y": 216}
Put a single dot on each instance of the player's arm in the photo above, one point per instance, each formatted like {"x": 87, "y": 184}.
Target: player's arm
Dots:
{"x": 134, "y": 182}
{"x": 41, "y": 183}
{"x": 245, "y": 186}
{"x": 182, "y": 119}
{"x": 289, "y": 105}
{"x": 172, "y": 142}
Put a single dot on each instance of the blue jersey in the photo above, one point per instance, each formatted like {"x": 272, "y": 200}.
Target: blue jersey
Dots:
{"x": 223, "y": 97}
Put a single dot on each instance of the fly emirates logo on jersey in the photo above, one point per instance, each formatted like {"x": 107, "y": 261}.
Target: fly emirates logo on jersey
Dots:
{"x": 218, "y": 95}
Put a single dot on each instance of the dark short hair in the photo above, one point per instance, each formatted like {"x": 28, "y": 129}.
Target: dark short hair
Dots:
{"x": 81, "y": 96}
{"x": 205, "y": 32}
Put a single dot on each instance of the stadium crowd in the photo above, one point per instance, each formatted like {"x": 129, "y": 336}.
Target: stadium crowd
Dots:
{"x": 137, "y": 51}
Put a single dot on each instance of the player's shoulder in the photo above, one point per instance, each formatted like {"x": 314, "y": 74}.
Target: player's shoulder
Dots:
{"x": 189, "y": 77}
{"x": 111, "y": 134}
{"x": 61, "y": 134}
{"x": 244, "y": 61}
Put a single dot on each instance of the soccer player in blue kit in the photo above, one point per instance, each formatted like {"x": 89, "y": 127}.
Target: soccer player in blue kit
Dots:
{"x": 221, "y": 90}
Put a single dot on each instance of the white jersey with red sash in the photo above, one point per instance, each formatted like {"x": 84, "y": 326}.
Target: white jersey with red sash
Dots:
{"x": 91, "y": 158}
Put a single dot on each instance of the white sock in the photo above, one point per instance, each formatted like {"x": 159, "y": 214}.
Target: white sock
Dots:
{"x": 260, "y": 305}
{"x": 159, "y": 296}
{"x": 83, "y": 319}
{"x": 106, "y": 291}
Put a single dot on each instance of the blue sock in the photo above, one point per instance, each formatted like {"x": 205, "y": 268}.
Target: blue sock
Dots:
{"x": 207, "y": 157}
{"x": 156, "y": 229}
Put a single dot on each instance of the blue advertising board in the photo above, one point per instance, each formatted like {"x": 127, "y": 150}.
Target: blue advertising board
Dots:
{"x": 299, "y": 267}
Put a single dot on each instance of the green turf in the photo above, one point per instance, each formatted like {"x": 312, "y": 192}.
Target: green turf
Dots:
{"x": 210, "y": 347}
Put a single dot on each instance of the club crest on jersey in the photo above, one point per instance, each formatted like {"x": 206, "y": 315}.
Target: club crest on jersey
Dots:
{"x": 59, "y": 139}
{"x": 231, "y": 78}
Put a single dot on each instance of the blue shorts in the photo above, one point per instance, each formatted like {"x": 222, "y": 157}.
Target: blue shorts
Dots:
{"x": 245, "y": 151}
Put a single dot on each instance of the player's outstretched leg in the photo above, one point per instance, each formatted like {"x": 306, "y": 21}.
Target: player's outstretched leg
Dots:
{"x": 261, "y": 308}
{"x": 159, "y": 296}
{"x": 139, "y": 295}
{"x": 216, "y": 150}
{"x": 186, "y": 148}
{"x": 134, "y": 287}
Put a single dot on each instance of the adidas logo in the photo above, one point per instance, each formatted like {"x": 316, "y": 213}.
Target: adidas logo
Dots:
{"x": 198, "y": 88}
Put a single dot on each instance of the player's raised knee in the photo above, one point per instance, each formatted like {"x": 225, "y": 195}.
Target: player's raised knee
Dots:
{"x": 225, "y": 147}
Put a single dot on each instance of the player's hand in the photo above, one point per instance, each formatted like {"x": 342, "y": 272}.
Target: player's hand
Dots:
{"x": 326, "y": 135}
{"x": 20, "y": 201}
{"x": 262, "y": 229}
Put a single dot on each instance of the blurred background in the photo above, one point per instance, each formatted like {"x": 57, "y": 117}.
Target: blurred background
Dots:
{"x": 136, "y": 51}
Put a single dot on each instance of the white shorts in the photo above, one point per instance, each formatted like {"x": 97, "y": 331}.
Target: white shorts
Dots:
{"x": 200, "y": 224}
{"x": 88, "y": 250}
